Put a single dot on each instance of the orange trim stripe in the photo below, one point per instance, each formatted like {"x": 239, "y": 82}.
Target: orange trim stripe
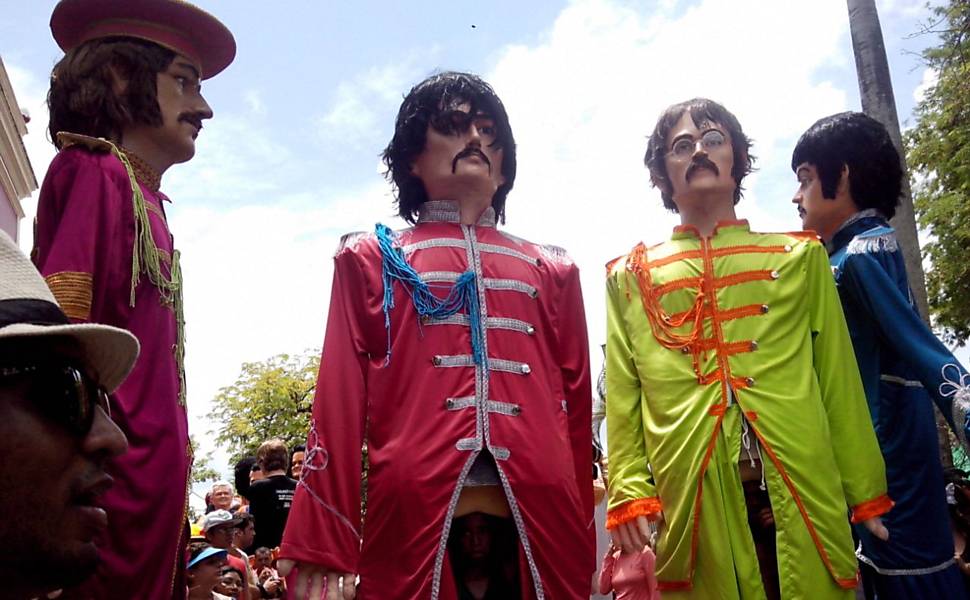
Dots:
{"x": 677, "y": 256}
{"x": 743, "y": 277}
{"x": 676, "y": 284}
{"x": 749, "y": 249}
{"x": 749, "y": 310}
{"x": 641, "y": 507}
{"x": 872, "y": 508}
{"x": 843, "y": 582}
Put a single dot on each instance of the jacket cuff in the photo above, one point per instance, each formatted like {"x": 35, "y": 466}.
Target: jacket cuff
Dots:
{"x": 641, "y": 507}
{"x": 871, "y": 508}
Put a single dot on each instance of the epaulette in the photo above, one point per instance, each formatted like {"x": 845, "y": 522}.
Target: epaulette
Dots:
{"x": 877, "y": 239}
{"x": 66, "y": 139}
{"x": 350, "y": 241}
{"x": 555, "y": 254}
{"x": 611, "y": 264}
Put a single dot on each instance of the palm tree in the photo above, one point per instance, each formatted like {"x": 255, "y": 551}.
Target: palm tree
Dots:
{"x": 878, "y": 101}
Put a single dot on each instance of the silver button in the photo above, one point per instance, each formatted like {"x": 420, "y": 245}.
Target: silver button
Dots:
{"x": 775, "y": 275}
{"x": 525, "y": 369}
{"x": 449, "y": 404}
{"x": 754, "y": 345}
{"x": 764, "y": 308}
{"x": 530, "y": 330}
{"x": 685, "y": 350}
{"x": 749, "y": 381}
{"x": 516, "y": 410}
{"x": 787, "y": 247}
{"x": 534, "y": 293}
{"x": 436, "y": 361}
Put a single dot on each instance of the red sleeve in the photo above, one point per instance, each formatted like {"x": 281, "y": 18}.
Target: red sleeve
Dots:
{"x": 324, "y": 521}
{"x": 574, "y": 363}
{"x": 84, "y": 234}
{"x": 605, "y": 584}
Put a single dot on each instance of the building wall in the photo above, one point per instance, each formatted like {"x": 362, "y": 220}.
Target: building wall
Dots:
{"x": 8, "y": 218}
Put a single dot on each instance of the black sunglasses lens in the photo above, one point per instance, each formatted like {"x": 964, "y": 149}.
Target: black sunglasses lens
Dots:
{"x": 65, "y": 396}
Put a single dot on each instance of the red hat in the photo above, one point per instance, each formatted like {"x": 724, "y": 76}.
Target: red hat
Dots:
{"x": 174, "y": 24}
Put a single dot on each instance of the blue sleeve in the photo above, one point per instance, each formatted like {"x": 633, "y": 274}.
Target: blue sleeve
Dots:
{"x": 900, "y": 328}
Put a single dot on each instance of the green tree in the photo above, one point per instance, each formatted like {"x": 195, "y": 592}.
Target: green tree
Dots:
{"x": 938, "y": 150}
{"x": 202, "y": 470}
{"x": 270, "y": 399}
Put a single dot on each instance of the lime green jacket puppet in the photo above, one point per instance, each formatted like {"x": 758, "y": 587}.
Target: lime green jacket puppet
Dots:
{"x": 732, "y": 341}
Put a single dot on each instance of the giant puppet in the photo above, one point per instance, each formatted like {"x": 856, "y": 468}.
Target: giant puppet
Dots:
{"x": 850, "y": 177}
{"x": 125, "y": 105}
{"x": 461, "y": 350}
{"x": 730, "y": 370}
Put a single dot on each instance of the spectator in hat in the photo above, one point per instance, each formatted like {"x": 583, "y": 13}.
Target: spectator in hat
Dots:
{"x": 221, "y": 528}
{"x": 204, "y": 571}
{"x": 56, "y": 434}
{"x": 125, "y": 105}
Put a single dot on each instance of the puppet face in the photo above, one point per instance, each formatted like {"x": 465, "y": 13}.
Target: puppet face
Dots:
{"x": 460, "y": 155}
{"x": 699, "y": 161}
{"x": 183, "y": 109}
{"x": 820, "y": 214}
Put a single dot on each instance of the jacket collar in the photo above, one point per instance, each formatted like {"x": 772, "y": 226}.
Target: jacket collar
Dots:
{"x": 853, "y": 226}
{"x": 448, "y": 211}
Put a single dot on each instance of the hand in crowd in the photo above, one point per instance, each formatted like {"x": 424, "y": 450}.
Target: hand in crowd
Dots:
{"x": 876, "y": 528}
{"x": 632, "y": 536}
{"x": 315, "y": 580}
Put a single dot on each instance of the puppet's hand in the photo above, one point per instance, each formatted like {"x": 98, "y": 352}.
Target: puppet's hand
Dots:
{"x": 876, "y": 528}
{"x": 319, "y": 580}
{"x": 631, "y": 537}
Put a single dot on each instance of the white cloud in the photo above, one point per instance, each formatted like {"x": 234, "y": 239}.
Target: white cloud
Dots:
{"x": 930, "y": 77}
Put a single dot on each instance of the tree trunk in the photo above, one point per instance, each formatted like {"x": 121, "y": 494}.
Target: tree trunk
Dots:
{"x": 878, "y": 101}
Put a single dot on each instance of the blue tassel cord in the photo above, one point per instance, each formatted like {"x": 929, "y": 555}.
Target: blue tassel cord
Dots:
{"x": 463, "y": 295}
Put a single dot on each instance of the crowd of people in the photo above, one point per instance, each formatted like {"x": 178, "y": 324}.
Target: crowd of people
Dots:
{"x": 769, "y": 396}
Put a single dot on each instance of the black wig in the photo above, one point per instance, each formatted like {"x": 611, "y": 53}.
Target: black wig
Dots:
{"x": 438, "y": 93}
{"x": 862, "y": 144}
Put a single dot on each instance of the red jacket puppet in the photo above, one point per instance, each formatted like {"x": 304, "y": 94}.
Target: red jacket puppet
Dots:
{"x": 432, "y": 395}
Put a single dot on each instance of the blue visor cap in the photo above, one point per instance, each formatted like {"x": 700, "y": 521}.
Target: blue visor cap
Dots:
{"x": 207, "y": 553}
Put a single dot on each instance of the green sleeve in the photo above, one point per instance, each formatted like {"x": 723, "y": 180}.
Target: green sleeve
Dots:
{"x": 631, "y": 488}
{"x": 856, "y": 449}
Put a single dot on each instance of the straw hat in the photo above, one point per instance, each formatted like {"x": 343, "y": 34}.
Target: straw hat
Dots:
{"x": 174, "y": 24}
{"x": 28, "y": 310}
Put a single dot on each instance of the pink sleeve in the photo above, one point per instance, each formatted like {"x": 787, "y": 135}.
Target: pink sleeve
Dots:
{"x": 84, "y": 235}
{"x": 324, "y": 521}
{"x": 606, "y": 572}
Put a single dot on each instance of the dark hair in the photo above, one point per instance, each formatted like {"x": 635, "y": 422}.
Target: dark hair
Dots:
{"x": 231, "y": 569}
{"x": 861, "y": 143}
{"x": 425, "y": 101}
{"x": 701, "y": 110}
{"x": 82, "y": 97}
{"x": 297, "y": 448}
{"x": 246, "y": 519}
{"x": 241, "y": 475}
{"x": 272, "y": 455}
{"x": 196, "y": 548}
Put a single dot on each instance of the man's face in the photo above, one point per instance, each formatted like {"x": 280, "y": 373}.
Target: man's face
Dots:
{"x": 476, "y": 542}
{"x": 699, "y": 161}
{"x": 183, "y": 109}
{"x": 822, "y": 215}
{"x": 221, "y": 536}
{"x": 207, "y": 573}
{"x": 51, "y": 479}
{"x": 460, "y": 155}
{"x": 246, "y": 533}
{"x": 297, "y": 468}
{"x": 222, "y": 497}
{"x": 264, "y": 559}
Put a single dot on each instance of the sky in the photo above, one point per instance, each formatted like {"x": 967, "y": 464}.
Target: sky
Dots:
{"x": 291, "y": 160}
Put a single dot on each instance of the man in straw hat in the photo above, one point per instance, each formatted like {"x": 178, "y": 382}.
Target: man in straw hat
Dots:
{"x": 125, "y": 105}
{"x": 56, "y": 433}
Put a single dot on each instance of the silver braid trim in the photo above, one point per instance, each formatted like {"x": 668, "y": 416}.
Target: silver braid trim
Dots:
{"x": 903, "y": 572}
{"x": 494, "y": 249}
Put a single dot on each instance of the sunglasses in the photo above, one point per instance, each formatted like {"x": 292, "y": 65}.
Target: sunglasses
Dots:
{"x": 63, "y": 394}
